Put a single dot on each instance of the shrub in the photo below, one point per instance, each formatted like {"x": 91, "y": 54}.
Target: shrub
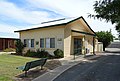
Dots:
{"x": 31, "y": 53}
{"x": 42, "y": 53}
{"x": 39, "y": 53}
{"x": 9, "y": 50}
{"x": 58, "y": 53}
{"x": 19, "y": 47}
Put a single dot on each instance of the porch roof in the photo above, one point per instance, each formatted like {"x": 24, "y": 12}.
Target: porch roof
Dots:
{"x": 85, "y": 33}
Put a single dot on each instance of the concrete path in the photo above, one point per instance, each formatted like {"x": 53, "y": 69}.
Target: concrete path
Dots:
{"x": 66, "y": 64}
{"x": 6, "y": 52}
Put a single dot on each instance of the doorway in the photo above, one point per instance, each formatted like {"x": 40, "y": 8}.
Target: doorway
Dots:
{"x": 77, "y": 46}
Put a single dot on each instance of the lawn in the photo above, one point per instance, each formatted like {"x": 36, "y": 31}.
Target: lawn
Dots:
{"x": 8, "y": 64}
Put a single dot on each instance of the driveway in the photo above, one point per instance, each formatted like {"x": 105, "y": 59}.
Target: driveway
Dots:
{"x": 106, "y": 68}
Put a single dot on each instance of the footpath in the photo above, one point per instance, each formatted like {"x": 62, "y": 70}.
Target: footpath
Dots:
{"x": 67, "y": 63}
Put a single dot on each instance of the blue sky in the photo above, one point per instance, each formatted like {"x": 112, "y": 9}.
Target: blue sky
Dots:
{"x": 17, "y": 14}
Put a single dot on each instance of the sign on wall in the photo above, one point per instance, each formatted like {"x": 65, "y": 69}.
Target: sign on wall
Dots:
{"x": 59, "y": 42}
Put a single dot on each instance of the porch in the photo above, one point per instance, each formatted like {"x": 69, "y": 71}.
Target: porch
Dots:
{"x": 81, "y": 43}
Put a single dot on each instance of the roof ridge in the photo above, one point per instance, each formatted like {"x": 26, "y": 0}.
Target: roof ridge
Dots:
{"x": 53, "y": 20}
{"x": 56, "y": 20}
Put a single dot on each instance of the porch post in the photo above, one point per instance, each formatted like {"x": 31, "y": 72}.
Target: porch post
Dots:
{"x": 83, "y": 46}
{"x": 93, "y": 45}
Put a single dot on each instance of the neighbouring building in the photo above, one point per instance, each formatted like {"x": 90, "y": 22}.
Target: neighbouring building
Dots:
{"x": 7, "y": 43}
{"x": 72, "y": 35}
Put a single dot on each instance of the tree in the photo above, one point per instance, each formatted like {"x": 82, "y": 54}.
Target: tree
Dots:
{"x": 19, "y": 47}
{"x": 105, "y": 37}
{"x": 108, "y": 10}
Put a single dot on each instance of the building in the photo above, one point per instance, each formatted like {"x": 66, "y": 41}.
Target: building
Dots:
{"x": 7, "y": 43}
{"x": 72, "y": 35}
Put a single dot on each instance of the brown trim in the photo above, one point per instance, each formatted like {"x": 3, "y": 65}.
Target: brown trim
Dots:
{"x": 86, "y": 33}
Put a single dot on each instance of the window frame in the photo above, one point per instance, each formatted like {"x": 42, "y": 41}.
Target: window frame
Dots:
{"x": 43, "y": 43}
{"x": 32, "y": 45}
{"x": 52, "y": 43}
{"x": 25, "y": 42}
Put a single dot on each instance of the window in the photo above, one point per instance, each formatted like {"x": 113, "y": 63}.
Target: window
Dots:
{"x": 29, "y": 43}
{"x": 32, "y": 42}
{"x": 41, "y": 42}
{"x": 25, "y": 42}
{"x": 47, "y": 41}
{"x": 52, "y": 42}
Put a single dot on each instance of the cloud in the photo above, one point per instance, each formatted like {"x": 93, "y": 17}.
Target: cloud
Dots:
{"x": 12, "y": 11}
{"x": 8, "y": 31}
{"x": 9, "y": 35}
{"x": 74, "y": 8}
{"x": 66, "y": 7}
{"x": 36, "y": 11}
{"x": 7, "y": 28}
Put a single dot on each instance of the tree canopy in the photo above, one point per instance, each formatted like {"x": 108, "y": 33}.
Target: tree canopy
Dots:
{"x": 108, "y": 10}
{"x": 105, "y": 37}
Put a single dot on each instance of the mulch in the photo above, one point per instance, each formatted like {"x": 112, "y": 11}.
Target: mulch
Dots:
{"x": 34, "y": 73}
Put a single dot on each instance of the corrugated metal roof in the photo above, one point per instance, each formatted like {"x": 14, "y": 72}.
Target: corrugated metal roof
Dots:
{"x": 50, "y": 23}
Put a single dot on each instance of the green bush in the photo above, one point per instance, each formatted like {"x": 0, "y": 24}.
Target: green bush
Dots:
{"x": 31, "y": 53}
{"x": 42, "y": 54}
{"x": 9, "y": 50}
{"x": 39, "y": 54}
{"x": 58, "y": 53}
{"x": 19, "y": 47}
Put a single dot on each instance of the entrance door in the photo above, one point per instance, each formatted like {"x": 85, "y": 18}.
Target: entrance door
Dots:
{"x": 77, "y": 46}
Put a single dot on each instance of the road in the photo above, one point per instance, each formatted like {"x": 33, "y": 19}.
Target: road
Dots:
{"x": 106, "y": 68}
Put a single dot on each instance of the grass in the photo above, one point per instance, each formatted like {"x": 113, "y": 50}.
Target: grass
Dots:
{"x": 8, "y": 64}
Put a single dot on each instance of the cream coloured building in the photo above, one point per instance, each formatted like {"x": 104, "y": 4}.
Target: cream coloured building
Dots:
{"x": 72, "y": 35}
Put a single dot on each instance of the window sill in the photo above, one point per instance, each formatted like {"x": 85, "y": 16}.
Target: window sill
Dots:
{"x": 48, "y": 48}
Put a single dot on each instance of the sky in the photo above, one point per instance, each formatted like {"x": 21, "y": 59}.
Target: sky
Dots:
{"x": 19, "y": 14}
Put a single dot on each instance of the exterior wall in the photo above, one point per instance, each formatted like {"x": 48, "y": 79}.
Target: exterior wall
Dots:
{"x": 96, "y": 45}
{"x": 69, "y": 37}
{"x": 51, "y": 32}
{"x": 67, "y": 40}
{"x": 7, "y": 43}
{"x": 62, "y": 32}
{"x": 78, "y": 26}
{"x": 89, "y": 41}
{"x": 1, "y": 44}
{"x": 100, "y": 47}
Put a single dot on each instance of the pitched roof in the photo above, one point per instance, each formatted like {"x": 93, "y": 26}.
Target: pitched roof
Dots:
{"x": 51, "y": 23}
{"x": 57, "y": 22}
